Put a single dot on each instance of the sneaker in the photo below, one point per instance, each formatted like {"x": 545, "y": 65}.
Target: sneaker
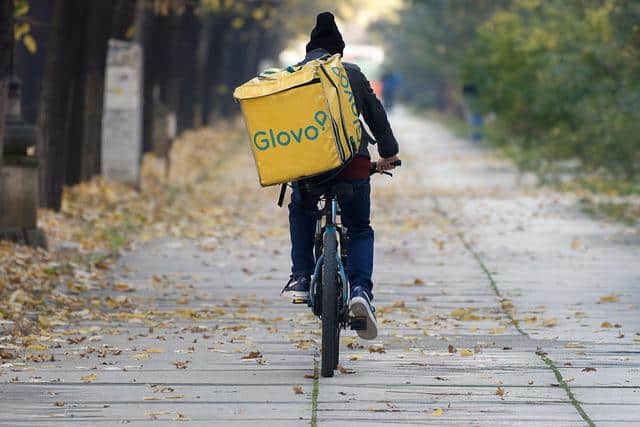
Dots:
{"x": 361, "y": 306}
{"x": 297, "y": 289}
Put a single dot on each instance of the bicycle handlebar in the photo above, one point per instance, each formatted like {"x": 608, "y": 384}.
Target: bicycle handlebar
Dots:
{"x": 374, "y": 168}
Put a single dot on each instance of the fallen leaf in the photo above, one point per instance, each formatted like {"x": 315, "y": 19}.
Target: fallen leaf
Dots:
{"x": 140, "y": 356}
{"x": 89, "y": 378}
{"x": 574, "y": 345}
{"x": 122, "y": 287}
{"x": 170, "y": 397}
{"x": 609, "y": 298}
{"x": 180, "y": 364}
{"x": 606, "y": 325}
{"x": 155, "y": 414}
{"x": 37, "y": 347}
{"x": 506, "y": 304}
{"x": 344, "y": 370}
{"x": 451, "y": 348}
{"x": 437, "y": 412}
{"x": 465, "y": 352}
{"x": 378, "y": 348}
{"x": 297, "y": 389}
{"x": 575, "y": 244}
{"x": 589, "y": 369}
{"x": 180, "y": 417}
{"x": 500, "y": 392}
{"x": 418, "y": 282}
{"x": 252, "y": 355}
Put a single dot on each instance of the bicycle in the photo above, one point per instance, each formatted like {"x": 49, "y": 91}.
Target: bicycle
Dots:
{"x": 329, "y": 294}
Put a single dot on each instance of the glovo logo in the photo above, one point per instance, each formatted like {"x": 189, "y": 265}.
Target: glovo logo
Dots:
{"x": 263, "y": 140}
{"x": 346, "y": 89}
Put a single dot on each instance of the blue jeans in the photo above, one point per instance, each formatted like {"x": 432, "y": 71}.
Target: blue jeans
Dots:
{"x": 355, "y": 217}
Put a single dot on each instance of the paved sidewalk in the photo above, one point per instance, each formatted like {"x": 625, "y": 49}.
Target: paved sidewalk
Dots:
{"x": 499, "y": 304}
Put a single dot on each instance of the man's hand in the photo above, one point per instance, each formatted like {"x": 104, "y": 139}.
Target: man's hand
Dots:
{"x": 385, "y": 164}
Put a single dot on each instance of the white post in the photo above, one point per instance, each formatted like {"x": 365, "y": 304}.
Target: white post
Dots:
{"x": 122, "y": 117}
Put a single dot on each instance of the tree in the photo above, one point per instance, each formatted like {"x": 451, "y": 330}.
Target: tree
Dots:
{"x": 70, "y": 113}
{"x": 6, "y": 42}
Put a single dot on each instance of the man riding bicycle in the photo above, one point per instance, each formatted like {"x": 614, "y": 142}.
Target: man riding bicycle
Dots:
{"x": 355, "y": 210}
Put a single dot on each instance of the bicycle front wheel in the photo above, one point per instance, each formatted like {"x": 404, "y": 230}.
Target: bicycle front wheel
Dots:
{"x": 330, "y": 344}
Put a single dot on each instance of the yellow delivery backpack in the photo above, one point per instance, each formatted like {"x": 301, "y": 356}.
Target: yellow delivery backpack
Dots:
{"x": 302, "y": 121}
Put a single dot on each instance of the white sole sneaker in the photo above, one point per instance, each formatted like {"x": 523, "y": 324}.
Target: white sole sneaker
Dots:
{"x": 295, "y": 295}
{"x": 360, "y": 308}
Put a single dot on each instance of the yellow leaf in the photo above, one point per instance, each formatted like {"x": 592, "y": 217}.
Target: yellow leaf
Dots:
{"x": 575, "y": 244}
{"x": 465, "y": 352}
{"x": 21, "y": 29}
{"x": 506, "y": 304}
{"x": 609, "y": 298}
{"x": 574, "y": 345}
{"x": 549, "y": 323}
{"x": 30, "y": 44}
{"x": 130, "y": 32}
{"x": 122, "y": 287}
{"x": 237, "y": 23}
{"x": 154, "y": 350}
{"x": 21, "y": 8}
{"x": 140, "y": 356}
{"x": 606, "y": 324}
{"x": 37, "y": 347}
{"x": 437, "y": 412}
{"x": 89, "y": 378}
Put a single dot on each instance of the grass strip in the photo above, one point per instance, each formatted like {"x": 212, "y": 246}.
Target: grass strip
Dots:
{"x": 316, "y": 392}
{"x": 563, "y": 384}
{"x": 567, "y": 390}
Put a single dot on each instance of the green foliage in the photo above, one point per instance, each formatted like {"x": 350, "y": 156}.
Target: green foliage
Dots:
{"x": 562, "y": 78}
{"x": 428, "y": 44}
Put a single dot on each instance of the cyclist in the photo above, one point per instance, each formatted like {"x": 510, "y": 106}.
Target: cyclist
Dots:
{"x": 326, "y": 38}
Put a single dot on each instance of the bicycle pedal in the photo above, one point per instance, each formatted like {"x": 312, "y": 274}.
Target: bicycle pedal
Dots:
{"x": 299, "y": 301}
{"x": 358, "y": 324}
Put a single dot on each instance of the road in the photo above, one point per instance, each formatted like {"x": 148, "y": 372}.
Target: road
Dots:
{"x": 499, "y": 304}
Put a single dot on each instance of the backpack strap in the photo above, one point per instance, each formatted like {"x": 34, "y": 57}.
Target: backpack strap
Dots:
{"x": 283, "y": 190}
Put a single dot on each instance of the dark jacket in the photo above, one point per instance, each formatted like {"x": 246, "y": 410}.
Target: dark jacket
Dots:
{"x": 369, "y": 107}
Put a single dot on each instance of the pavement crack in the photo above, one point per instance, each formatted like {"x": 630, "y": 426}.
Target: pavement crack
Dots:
{"x": 543, "y": 356}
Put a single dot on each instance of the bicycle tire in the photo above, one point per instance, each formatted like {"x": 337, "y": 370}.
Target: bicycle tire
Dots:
{"x": 329, "y": 316}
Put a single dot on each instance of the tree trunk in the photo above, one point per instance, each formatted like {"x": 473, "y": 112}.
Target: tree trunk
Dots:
{"x": 6, "y": 40}
{"x": 93, "y": 72}
{"x": 57, "y": 99}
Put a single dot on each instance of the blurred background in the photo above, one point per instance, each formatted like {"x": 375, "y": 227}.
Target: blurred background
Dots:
{"x": 88, "y": 86}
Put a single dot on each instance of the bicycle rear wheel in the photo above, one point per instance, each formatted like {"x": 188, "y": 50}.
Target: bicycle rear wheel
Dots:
{"x": 330, "y": 325}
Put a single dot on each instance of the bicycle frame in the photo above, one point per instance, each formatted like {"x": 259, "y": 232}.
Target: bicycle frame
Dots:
{"x": 330, "y": 228}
